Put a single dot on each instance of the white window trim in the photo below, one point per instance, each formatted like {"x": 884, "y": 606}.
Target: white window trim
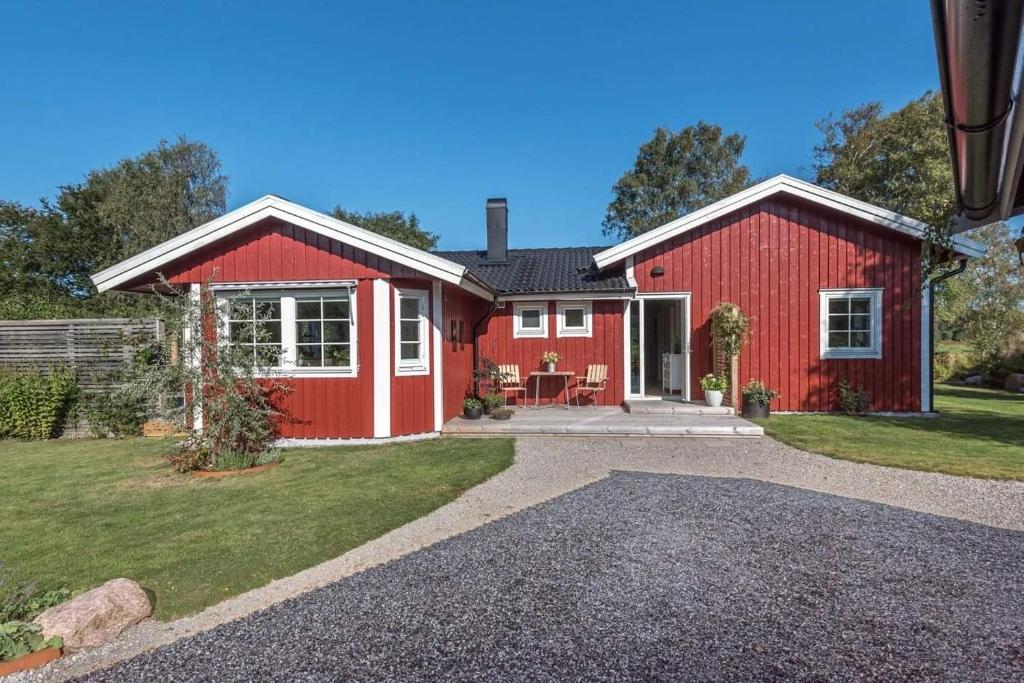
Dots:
{"x": 518, "y": 332}
{"x": 421, "y": 365}
{"x": 588, "y": 315}
{"x": 875, "y": 351}
{"x": 288, "y": 367}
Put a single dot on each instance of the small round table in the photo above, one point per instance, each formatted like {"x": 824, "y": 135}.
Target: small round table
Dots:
{"x": 540, "y": 374}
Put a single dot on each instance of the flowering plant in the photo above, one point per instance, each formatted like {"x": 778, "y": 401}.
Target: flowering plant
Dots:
{"x": 551, "y": 357}
{"x": 713, "y": 382}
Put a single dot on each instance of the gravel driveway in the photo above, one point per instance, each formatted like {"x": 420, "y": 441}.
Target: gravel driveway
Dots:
{"x": 643, "y": 576}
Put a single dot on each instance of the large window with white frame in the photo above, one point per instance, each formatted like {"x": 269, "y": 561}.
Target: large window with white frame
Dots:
{"x": 300, "y": 332}
{"x": 412, "y": 332}
{"x": 530, "y": 319}
{"x": 574, "y": 318}
{"x": 851, "y": 323}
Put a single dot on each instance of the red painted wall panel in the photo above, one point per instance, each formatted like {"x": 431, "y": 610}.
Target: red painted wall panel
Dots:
{"x": 772, "y": 259}
{"x": 412, "y": 396}
{"x": 460, "y": 310}
{"x": 604, "y": 346}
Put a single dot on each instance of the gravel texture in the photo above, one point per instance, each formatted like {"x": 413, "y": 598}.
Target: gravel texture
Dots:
{"x": 650, "y": 576}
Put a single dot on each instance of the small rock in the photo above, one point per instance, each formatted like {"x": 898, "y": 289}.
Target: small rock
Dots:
{"x": 974, "y": 380}
{"x": 97, "y": 616}
{"x": 1014, "y": 382}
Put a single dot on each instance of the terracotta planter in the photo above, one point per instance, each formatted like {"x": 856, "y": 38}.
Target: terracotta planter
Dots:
{"x": 30, "y": 661}
{"x": 217, "y": 474}
{"x": 713, "y": 398}
{"x": 756, "y": 410}
{"x": 473, "y": 413}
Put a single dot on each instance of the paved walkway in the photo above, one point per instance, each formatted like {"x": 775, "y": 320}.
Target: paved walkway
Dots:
{"x": 605, "y": 421}
{"x": 549, "y": 467}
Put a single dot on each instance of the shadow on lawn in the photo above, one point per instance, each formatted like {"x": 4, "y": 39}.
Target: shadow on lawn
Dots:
{"x": 976, "y": 420}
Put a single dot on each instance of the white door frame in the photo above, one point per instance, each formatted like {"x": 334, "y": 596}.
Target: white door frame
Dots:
{"x": 684, "y": 334}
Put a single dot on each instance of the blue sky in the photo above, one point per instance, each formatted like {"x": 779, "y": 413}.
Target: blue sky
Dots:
{"x": 434, "y": 106}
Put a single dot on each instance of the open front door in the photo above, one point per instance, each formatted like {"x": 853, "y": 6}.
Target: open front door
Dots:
{"x": 658, "y": 346}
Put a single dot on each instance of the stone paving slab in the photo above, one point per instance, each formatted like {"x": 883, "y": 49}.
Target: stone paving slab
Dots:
{"x": 602, "y": 421}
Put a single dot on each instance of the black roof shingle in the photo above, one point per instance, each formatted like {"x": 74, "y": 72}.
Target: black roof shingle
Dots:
{"x": 538, "y": 271}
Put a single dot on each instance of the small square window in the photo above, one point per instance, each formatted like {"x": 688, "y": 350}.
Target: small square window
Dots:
{"x": 574, "y": 319}
{"x": 851, "y": 323}
{"x": 530, "y": 320}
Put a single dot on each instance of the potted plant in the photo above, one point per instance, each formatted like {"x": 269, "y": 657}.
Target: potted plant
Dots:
{"x": 550, "y": 358}
{"x": 713, "y": 386}
{"x": 502, "y": 413}
{"x": 756, "y": 399}
{"x": 472, "y": 408}
{"x": 492, "y": 402}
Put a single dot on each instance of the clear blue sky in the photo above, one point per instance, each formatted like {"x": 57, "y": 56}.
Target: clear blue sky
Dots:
{"x": 434, "y": 106}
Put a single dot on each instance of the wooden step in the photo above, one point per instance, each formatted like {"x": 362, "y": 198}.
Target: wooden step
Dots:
{"x": 657, "y": 406}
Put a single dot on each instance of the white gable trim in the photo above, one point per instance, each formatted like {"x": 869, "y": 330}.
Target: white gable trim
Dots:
{"x": 792, "y": 186}
{"x": 289, "y": 212}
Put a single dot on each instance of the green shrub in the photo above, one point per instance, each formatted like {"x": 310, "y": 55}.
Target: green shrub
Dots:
{"x": 19, "y": 638}
{"x": 472, "y": 404}
{"x": 34, "y": 405}
{"x": 120, "y": 414}
{"x": 493, "y": 402}
{"x": 852, "y": 401}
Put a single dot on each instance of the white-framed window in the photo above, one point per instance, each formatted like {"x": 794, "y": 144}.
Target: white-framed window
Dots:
{"x": 412, "y": 331}
{"x": 574, "y": 318}
{"x": 304, "y": 332}
{"x": 851, "y": 323}
{"x": 530, "y": 319}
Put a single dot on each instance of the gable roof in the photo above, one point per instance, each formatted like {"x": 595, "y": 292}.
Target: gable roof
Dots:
{"x": 271, "y": 206}
{"x": 538, "y": 271}
{"x": 772, "y": 186}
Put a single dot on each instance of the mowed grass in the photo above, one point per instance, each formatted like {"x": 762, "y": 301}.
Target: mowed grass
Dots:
{"x": 77, "y": 513}
{"x": 979, "y": 433}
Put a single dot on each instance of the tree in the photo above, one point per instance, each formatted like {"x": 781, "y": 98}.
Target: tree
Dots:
{"x": 985, "y": 304}
{"x": 899, "y": 160}
{"x": 50, "y": 252}
{"x": 393, "y": 224}
{"x": 674, "y": 174}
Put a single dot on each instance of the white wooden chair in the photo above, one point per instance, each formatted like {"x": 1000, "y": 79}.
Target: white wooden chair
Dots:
{"x": 595, "y": 381}
{"x": 511, "y": 382}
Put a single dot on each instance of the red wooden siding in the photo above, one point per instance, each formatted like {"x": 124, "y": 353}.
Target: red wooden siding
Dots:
{"x": 275, "y": 251}
{"x": 771, "y": 259}
{"x": 604, "y": 346}
{"x": 412, "y": 396}
{"x": 459, "y": 312}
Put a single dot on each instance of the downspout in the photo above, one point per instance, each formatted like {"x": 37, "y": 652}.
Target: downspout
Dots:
{"x": 931, "y": 327}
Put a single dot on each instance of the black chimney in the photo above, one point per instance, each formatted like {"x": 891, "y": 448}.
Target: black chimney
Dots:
{"x": 497, "y": 230}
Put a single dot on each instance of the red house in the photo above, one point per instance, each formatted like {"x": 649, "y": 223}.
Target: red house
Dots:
{"x": 380, "y": 339}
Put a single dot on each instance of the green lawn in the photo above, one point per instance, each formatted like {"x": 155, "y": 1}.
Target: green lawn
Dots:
{"x": 77, "y": 513}
{"x": 979, "y": 433}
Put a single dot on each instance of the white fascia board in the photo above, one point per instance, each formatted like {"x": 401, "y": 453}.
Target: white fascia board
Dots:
{"x": 566, "y": 296}
{"x": 289, "y": 212}
{"x": 792, "y": 186}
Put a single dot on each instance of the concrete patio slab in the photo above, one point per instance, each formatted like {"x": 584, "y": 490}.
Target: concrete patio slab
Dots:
{"x": 602, "y": 421}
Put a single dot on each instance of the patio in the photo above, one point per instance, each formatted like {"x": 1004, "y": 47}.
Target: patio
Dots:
{"x": 604, "y": 421}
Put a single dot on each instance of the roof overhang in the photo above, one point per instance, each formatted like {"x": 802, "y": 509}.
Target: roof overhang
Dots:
{"x": 271, "y": 206}
{"x": 787, "y": 185}
{"x": 575, "y": 295}
{"x": 978, "y": 48}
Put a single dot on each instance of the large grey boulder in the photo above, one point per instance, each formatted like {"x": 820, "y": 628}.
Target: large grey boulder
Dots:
{"x": 974, "y": 380}
{"x": 97, "y": 616}
{"x": 1014, "y": 382}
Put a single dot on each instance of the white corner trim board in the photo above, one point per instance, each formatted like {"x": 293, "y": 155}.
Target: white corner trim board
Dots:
{"x": 789, "y": 185}
{"x": 381, "y": 358}
{"x": 271, "y": 206}
{"x": 926, "y": 347}
{"x": 436, "y": 321}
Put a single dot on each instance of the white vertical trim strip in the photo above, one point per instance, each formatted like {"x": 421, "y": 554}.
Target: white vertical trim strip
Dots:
{"x": 381, "y": 359}
{"x": 438, "y": 369}
{"x": 630, "y": 272}
{"x": 686, "y": 345}
{"x": 194, "y": 360}
{"x": 926, "y": 347}
{"x": 627, "y": 385}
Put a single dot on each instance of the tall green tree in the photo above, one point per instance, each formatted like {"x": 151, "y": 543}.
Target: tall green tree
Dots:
{"x": 897, "y": 160}
{"x": 393, "y": 224}
{"x": 674, "y": 174}
{"x": 900, "y": 160}
{"x": 50, "y": 252}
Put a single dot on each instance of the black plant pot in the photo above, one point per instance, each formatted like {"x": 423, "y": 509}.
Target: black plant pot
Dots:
{"x": 756, "y": 410}
{"x": 502, "y": 416}
{"x": 473, "y": 413}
